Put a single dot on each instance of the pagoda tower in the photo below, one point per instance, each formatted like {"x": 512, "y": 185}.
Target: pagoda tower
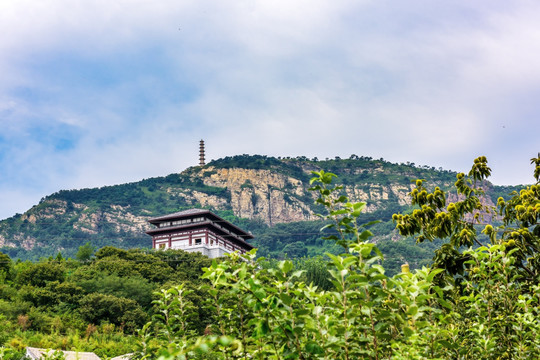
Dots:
{"x": 201, "y": 153}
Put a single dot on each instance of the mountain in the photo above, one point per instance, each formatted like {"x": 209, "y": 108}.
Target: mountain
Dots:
{"x": 268, "y": 196}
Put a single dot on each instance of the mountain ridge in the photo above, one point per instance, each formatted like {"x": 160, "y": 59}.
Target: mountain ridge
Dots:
{"x": 258, "y": 188}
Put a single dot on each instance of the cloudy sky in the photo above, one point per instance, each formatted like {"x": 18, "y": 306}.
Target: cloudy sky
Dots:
{"x": 100, "y": 92}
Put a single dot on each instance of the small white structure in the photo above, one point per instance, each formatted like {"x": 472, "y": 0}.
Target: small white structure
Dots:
{"x": 35, "y": 353}
{"x": 198, "y": 230}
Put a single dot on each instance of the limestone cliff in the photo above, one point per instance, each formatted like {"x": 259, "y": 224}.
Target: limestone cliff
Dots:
{"x": 252, "y": 187}
{"x": 270, "y": 196}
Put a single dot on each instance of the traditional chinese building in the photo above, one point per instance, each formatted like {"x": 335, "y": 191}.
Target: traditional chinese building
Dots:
{"x": 198, "y": 230}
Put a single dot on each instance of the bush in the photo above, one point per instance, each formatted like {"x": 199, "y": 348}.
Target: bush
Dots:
{"x": 97, "y": 308}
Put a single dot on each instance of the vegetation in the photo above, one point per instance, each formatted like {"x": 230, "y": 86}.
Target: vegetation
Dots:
{"x": 68, "y": 219}
{"x": 270, "y": 313}
{"x": 93, "y": 304}
{"x": 474, "y": 302}
{"x": 460, "y": 222}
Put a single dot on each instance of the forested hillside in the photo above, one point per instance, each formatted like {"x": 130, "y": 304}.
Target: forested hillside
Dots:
{"x": 478, "y": 299}
{"x": 267, "y": 196}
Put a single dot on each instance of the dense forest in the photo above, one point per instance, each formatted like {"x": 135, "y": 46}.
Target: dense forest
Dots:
{"x": 94, "y": 303}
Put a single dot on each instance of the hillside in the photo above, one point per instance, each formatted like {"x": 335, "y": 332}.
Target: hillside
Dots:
{"x": 265, "y": 195}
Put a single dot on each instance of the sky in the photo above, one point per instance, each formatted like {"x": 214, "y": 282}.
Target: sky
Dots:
{"x": 99, "y": 92}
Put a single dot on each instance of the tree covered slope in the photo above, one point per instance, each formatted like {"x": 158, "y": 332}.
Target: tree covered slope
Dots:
{"x": 267, "y": 196}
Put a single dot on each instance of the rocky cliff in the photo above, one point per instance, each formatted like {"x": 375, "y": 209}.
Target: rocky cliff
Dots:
{"x": 258, "y": 188}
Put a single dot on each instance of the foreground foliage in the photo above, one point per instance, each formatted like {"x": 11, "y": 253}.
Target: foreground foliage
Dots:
{"x": 269, "y": 313}
{"x": 479, "y": 300}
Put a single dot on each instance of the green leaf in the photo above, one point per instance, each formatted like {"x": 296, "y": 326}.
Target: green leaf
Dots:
{"x": 313, "y": 348}
{"x": 262, "y": 327}
{"x": 287, "y": 300}
{"x": 285, "y": 266}
{"x": 260, "y": 293}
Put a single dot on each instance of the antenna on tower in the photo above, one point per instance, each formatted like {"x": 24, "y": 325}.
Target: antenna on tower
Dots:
{"x": 201, "y": 153}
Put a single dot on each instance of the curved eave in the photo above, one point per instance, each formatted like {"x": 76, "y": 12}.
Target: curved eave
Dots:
{"x": 181, "y": 215}
{"x": 224, "y": 223}
{"x": 208, "y": 225}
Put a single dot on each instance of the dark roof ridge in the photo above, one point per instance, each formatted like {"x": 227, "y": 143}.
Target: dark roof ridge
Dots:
{"x": 181, "y": 213}
{"x": 239, "y": 231}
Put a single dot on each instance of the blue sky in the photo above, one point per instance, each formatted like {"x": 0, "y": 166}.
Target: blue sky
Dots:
{"x": 97, "y": 92}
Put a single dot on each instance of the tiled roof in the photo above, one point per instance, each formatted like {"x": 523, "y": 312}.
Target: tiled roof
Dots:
{"x": 181, "y": 213}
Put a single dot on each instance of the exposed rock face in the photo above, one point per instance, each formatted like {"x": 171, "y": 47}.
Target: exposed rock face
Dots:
{"x": 277, "y": 198}
{"x": 402, "y": 193}
{"x": 263, "y": 194}
{"x": 376, "y": 195}
{"x": 120, "y": 217}
{"x": 4, "y": 242}
{"x": 81, "y": 218}
{"x": 88, "y": 222}
{"x": 487, "y": 216}
{"x": 197, "y": 198}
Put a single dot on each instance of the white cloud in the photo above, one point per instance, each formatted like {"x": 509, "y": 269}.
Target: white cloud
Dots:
{"x": 138, "y": 83}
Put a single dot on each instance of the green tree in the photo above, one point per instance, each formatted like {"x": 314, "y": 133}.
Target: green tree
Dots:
{"x": 5, "y": 267}
{"x": 295, "y": 249}
{"x": 10, "y": 354}
{"x": 96, "y": 308}
{"x": 315, "y": 272}
{"x": 129, "y": 287}
{"x": 41, "y": 273}
{"x": 461, "y": 224}
{"x": 85, "y": 252}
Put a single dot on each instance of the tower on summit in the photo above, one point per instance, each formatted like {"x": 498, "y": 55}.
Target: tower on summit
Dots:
{"x": 201, "y": 153}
